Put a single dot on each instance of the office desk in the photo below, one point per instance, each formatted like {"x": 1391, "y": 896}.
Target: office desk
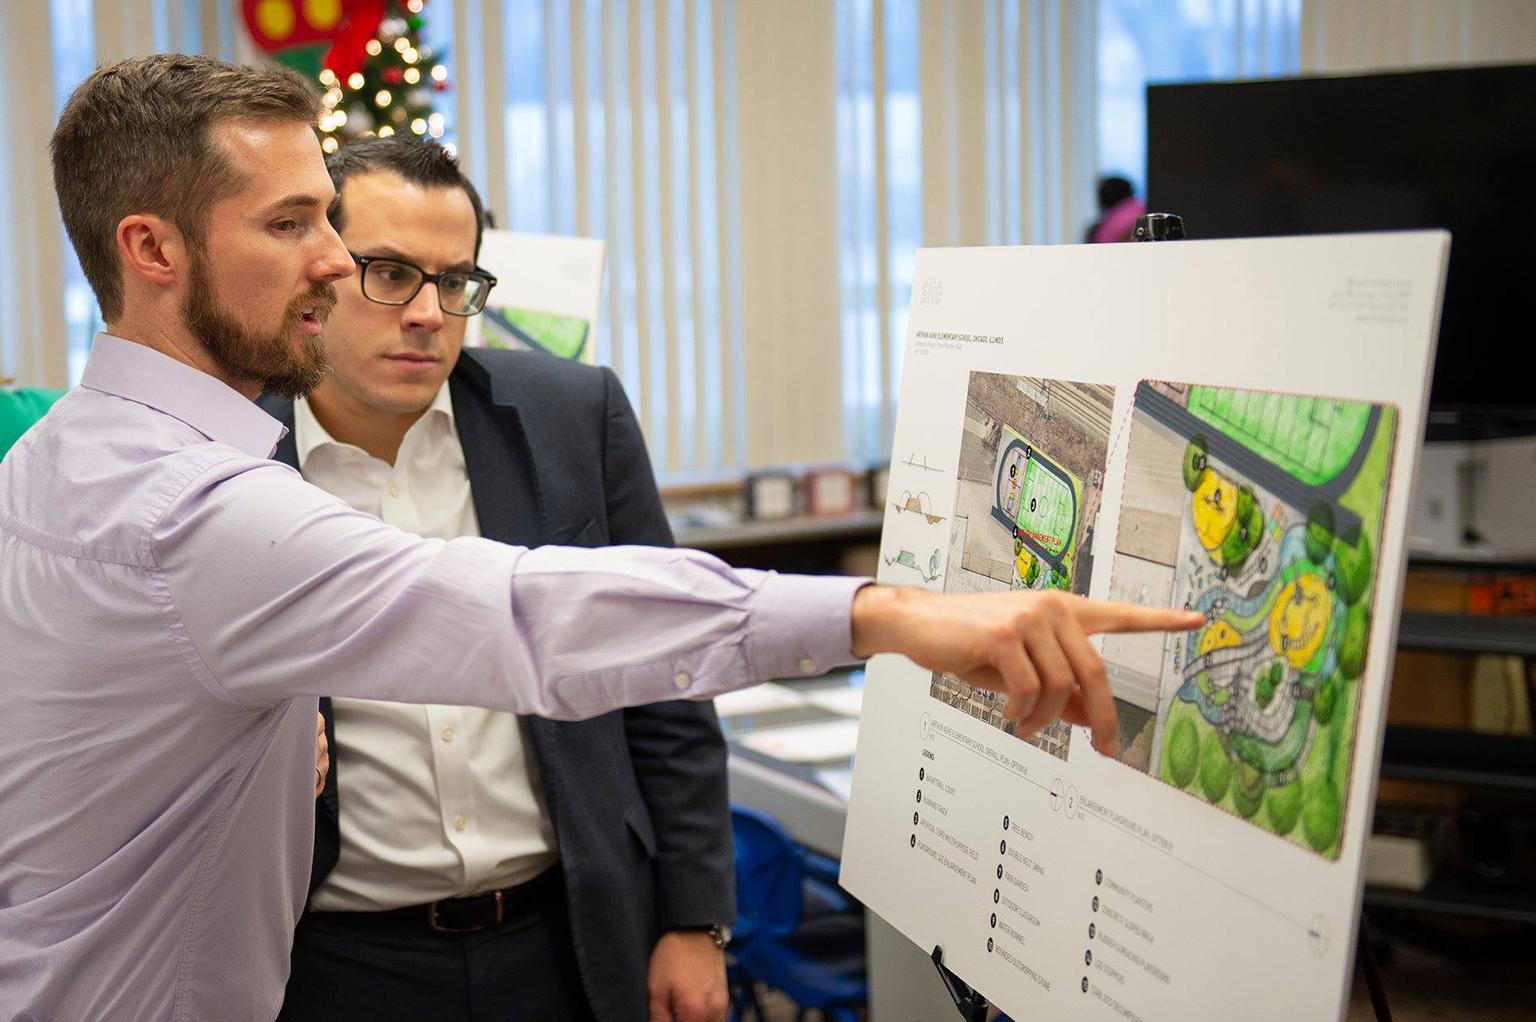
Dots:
{"x": 791, "y": 756}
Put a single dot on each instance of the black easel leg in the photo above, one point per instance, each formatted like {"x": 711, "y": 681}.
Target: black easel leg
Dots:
{"x": 1373, "y": 976}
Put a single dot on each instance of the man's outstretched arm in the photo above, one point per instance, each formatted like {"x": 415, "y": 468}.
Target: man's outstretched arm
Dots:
{"x": 282, "y": 591}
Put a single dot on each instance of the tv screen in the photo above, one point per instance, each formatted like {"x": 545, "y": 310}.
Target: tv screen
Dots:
{"x": 1453, "y": 149}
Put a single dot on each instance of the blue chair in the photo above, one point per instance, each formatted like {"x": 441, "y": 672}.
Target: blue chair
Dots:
{"x": 796, "y": 931}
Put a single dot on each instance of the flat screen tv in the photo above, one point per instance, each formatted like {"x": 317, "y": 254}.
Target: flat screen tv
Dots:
{"x": 1447, "y": 148}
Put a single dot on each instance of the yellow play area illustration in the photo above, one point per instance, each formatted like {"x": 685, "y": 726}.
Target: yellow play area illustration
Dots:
{"x": 1264, "y": 512}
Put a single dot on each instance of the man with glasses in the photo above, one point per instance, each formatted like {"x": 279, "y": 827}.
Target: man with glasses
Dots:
{"x": 173, "y": 601}
{"x": 534, "y": 868}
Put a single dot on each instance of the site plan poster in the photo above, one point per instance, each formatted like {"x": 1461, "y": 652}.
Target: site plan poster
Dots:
{"x": 547, "y": 295}
{"x": 1228, "y": 426}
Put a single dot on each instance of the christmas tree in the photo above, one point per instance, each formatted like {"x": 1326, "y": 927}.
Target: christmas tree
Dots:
{"x": 379, "y": 77}
{"x": 394, "y": 90}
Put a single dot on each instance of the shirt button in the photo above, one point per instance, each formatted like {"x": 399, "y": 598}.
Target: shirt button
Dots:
{"x": 394, "y": 489}
{"x": 447, "y": 734}
{"x": 459, "y": 823}
{"x": 807, "y": 665}
{"x": 682, "y": 680}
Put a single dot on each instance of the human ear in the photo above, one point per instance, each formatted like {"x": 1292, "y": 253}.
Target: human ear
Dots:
{"x": 151, "y": 248}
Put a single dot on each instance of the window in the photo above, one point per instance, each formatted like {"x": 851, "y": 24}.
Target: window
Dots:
{"x": 1151, "y": 41}
{"x": 172, "y": 26}
{"x": 880, "y": 209}
{"x": 610, "y": 128}
{"x": 74, "y": 44}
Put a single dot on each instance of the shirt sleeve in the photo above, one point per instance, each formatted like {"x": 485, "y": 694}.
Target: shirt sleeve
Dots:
{"x": 280, "y": 590}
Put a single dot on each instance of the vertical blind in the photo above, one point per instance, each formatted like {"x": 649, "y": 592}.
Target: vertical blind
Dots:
{"x": 607, "y": 119}
{"x": 762, "y": 172}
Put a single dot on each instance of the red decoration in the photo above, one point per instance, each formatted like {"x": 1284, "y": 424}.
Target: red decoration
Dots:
{"x": 360, "y": 24}
{"x": 279, "y": 26}
{"x": 393, "y": 75}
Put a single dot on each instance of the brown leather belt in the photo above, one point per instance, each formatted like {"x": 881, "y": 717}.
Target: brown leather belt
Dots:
{"x": 480, "y": 911}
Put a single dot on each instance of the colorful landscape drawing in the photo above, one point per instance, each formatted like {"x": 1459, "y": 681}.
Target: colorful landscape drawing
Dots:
{"x": 1264, "y": 512}
{"x": 1031, "y": 475}
{"x": 524, "y": 329}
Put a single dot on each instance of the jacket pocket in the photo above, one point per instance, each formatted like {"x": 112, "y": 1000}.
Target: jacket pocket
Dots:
{"x": 586, "y": 534}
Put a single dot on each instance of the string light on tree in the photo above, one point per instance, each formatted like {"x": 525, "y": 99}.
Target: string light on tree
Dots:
{"x": 378, "y": 76}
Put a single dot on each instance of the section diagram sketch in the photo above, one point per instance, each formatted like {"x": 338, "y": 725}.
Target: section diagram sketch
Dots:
{"x": 918, "y": 504}
{"x": 907, "y": 559}
{"x": 1031, "y": 475}
{"x": 916, "y": 460}
{"x": 1264, "y": 512}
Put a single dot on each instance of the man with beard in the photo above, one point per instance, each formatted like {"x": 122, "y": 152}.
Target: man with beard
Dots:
{"x": 173, "y": 602}
{"x": 531, "y": 868}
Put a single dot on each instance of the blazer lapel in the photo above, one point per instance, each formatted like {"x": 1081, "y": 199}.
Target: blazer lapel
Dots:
{"x": 503, "y": 477}
{"x": 281, "y": 409}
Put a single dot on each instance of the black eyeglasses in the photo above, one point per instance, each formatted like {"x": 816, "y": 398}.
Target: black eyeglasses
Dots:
{"x": 397, "y": 282}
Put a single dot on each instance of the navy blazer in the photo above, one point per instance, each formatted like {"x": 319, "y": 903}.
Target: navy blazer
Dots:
{"x": 637, "y": 797}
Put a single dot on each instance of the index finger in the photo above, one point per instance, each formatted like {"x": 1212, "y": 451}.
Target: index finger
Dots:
{"x": 1102, "y": 616}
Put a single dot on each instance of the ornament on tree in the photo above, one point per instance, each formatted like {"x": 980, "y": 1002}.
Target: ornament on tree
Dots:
{"x": 314, "y": 35}
{"x": 378, "y": 75}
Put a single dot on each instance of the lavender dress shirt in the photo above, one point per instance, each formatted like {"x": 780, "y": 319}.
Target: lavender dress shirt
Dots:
{"x": 172, "y": 602}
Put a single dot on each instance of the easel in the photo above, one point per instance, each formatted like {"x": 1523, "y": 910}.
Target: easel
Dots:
{"x": 969, "y": 1002}
{"x": 972, "y": 1006}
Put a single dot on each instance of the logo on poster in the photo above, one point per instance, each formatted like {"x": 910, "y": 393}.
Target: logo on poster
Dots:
{"x": 931, "y": 292}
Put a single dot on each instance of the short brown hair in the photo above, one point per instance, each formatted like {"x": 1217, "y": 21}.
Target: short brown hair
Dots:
{"x": 137, "y": 137}
{"x": 420, "y": 161}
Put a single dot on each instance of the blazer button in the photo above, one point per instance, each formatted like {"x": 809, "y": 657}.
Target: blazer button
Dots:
{"x": 682, "y": 681}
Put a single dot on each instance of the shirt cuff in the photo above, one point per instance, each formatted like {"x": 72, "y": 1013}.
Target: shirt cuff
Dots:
{"x": 802, "y": 625}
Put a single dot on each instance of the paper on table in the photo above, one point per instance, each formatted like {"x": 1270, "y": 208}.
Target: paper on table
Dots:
{"x": 824, "y": 741}
{"x": 844, "y": 700}
{"x": 758, "y": 699}
{"x": 837, "y": 780}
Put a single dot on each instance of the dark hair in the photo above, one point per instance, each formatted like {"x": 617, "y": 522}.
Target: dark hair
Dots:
{"x": 1112, "y": 190}
{"x": 420, "y": 161}
{"x": 137, "y": 137}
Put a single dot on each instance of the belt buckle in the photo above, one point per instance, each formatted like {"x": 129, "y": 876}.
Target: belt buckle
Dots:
{"x": 440, "y": 928}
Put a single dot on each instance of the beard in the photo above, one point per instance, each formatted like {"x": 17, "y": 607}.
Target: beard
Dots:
{"x": 245, "y": 354}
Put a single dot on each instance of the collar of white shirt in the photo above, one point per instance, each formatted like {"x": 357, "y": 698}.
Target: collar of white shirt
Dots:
{"x": 137, "y": 372}
{"x": 309, "y": 434}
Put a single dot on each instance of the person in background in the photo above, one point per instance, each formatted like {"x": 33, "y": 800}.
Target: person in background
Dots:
{"x": 529, "y": 867}
{"x": 1118, "y": 210}
{"x": 20, "y": 408}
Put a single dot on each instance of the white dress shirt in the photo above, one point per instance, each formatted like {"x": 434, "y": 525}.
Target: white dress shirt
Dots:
{"x": 439, "y": 801}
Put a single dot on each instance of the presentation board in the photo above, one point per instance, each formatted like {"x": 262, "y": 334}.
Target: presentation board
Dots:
{"x": 1229, "y": 426}
{"x": 547, "y": 297}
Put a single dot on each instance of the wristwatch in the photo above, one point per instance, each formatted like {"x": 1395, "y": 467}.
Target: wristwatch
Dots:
{"x": 718, "y": 932}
